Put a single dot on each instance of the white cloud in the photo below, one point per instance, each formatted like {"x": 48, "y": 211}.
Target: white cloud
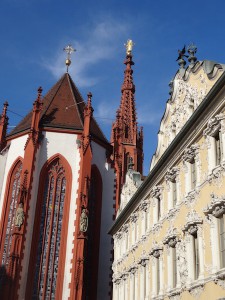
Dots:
{"x": 99, "y": 44}
{"x": 105, "y": 112}
{"x": 147, "y": 116}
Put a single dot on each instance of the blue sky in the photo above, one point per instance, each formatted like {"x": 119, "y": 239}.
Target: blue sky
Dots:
{"x": 34, "y": 32}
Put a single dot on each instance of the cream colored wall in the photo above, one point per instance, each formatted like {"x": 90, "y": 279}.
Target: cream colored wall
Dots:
{"x": 194, "y": 84}
{"x": 189, "y": 209}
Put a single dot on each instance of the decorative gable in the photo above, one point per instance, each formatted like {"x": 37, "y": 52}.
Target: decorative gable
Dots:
{"x": 188, "y": 89}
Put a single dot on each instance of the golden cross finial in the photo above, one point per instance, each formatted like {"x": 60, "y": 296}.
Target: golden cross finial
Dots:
{"x": 69, "y": 50}
{"x": 129, "y": 46}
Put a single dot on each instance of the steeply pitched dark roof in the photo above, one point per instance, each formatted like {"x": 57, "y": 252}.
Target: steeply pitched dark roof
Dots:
{"x": 63, "y": 108}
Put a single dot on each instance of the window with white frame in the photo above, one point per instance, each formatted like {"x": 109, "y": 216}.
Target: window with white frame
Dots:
{"x": 222, "y": 240}
{"x": 157, "y": 275}
{"x": 159, "y": 210}
{"x": 190, "y": 163}
{"x": 196, "y": 255}
{"x": 171, "y": 242}
{"x": 156, "y": 194}
{"x": 193, "y": 233}
{"x": 174, "y": 266}
{"x": 218, "y": 147}
{"x": 172, "y": 180}
{"x": 215, "y": 213}
{"x": 193, "y": 173}
{"x": 157, "y": 279}
{"x": 174, "y": 192}
{"x": 214, "y": 138}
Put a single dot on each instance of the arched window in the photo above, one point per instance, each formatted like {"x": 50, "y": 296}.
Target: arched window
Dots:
{"x": 94, "y": 225}
{"x": 8, "y": 216}
{"x": 52, "y": 209}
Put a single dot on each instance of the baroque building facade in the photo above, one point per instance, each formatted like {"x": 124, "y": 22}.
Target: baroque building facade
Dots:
{"x": 169, "y": 232}
{"x": 59, "y": 181}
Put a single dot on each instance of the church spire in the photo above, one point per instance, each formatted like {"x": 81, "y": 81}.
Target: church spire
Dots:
{"x": 126, "y": 139}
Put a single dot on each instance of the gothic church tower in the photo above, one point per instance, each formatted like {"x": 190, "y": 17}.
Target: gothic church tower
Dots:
{"x": 56, "y": 203}
{"x": 126, "y": 139}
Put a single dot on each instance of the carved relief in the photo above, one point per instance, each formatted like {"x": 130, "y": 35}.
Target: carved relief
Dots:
{"x": 156, "y": 250}
{"x": 193, "y": 221}
{"x": 171, "y": 174}
{"x": 185, "y": 99}
{"x": 216, "y": 206}
{"x": 156, "y": 191}
{"x": 191, "y": 198}
{"x": 214, "y": 124}
{"x": 190, "y": 153}
{"x": 216, "y": 175}
{"x": 182, "y": 262}
{"x": 172, "y": 214}
{"x": 171, "y": 238}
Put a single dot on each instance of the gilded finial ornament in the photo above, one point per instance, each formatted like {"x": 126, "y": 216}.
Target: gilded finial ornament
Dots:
{"x": 129, "y": 46}
{"x": 69, "y": 50}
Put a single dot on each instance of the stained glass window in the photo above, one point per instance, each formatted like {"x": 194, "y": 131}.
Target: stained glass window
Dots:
{"x": 13, "y": 200}
{"x": 46, "y": 268}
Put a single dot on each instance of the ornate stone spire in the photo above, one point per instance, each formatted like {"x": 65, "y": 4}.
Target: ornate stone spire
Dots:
{"x": 126, "y": 139}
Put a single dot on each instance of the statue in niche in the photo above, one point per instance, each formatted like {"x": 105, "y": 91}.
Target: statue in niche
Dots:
{"x": 83, "y": 221}
{"x": 19, "y": 218}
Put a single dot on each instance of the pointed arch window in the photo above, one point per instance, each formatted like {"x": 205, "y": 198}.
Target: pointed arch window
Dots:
{"x": 8, "y": 226}
{"x": 50, "y": 232}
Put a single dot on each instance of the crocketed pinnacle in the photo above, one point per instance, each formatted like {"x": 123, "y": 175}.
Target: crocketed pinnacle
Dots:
{"x": 127, "y": 110}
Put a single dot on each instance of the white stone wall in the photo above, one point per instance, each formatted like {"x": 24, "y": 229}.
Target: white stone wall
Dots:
{"x": 107, "y": 173}
{"x": 15, "y": 150}
{"x": 64, "y": 144}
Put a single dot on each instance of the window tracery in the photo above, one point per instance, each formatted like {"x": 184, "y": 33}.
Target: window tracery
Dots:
{"x": 13, "y": 200}
{"x": 46, "y": 268}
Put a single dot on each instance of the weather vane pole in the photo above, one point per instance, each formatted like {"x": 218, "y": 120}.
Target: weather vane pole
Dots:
{"x": 129, "y": 46}
{"x": 69, "y": 50}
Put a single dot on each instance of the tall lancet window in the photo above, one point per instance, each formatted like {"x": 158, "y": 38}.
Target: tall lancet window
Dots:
{"x": 9, "y": 215}
{"x": 50, "y": 233}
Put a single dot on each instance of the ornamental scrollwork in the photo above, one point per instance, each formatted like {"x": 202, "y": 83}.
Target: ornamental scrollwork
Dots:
{"x": 156, "y": 250}
{"x": 214, "y": 124}
{"x": 193, "y": 221}
{"x": 216, "y": 207}
{"x": 171, "y": 238}
{"x": 190, "y": 153}
{"x": 156, "y": 191}
{"x": 171, "y": 174}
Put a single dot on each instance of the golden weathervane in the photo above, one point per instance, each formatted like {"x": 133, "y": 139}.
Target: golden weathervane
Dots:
{"x": 129, "y": 46}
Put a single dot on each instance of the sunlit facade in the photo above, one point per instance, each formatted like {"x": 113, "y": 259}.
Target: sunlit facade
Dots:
{"x": 169, "y": 236}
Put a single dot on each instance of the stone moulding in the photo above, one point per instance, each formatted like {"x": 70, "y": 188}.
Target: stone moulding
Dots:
{"x": 196, "y": 289}
{"x": 220, "y": 279}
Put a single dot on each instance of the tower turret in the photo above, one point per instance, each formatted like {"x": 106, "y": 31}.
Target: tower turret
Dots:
{"x": 126, "y": 139}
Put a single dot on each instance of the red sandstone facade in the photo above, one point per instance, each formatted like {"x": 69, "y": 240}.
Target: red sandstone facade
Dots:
{"x": 57, "y": 199}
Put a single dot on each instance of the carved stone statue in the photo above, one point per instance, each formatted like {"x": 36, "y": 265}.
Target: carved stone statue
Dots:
{"x": 19, "y": 218}
{"x": 83, "y": 221}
